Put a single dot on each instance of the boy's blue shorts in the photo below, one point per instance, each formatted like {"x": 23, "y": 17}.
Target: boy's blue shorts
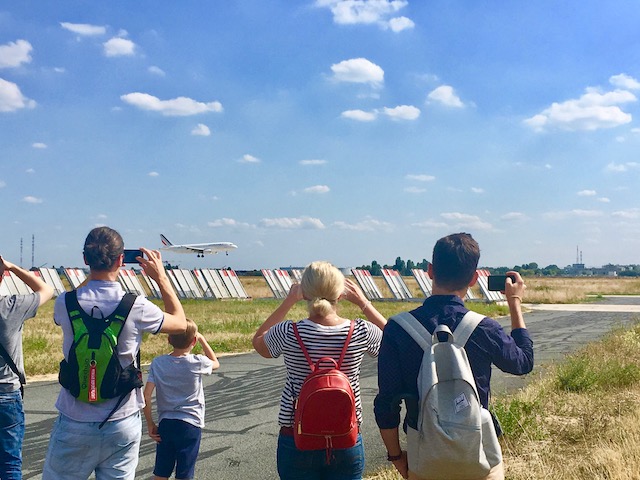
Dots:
{"x": 179, "y": 446}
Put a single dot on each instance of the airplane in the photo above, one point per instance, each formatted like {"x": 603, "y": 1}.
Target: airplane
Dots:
{"x": 199, "y": 248}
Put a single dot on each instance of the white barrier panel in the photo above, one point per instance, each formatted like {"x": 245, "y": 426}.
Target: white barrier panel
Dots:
{"x": 4, "y": 287}
{"x": 10, "y": 284}
{"x": 151, "y": 285}
{"x": 176, "y": 285}
{"x": 284, "y": 279}
{"x": 228, "y": 280}
{"x": 396, "y": 284}
{"x": 129, "y": 281}
{"x": 296, "y": 273}
{"x": 75, "y": 276}
{"x": 242, "y": 293}
{"x": 136, "y": 282}
{"x": 274, "y": 283}
{"x": 50, "y": 277}
{"x": 204, "y": 286}
{"x": 215, "y": 283}
{"x": 424, "y": 282}
{"x": 368, "y": 286}
{"x": 187, "y": 283}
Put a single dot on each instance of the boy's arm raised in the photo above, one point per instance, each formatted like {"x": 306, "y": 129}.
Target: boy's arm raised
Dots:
{"x": 208, "y": 351}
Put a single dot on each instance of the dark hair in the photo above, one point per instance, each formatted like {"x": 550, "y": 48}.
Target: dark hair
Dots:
{"x": 102, "y": 248}
{"x": 184, "y": 340}
{"x": 455, "y": 260}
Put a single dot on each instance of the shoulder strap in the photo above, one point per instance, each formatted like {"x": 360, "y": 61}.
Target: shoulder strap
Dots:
{"x": 414, "y": 328}
{"x": 306, "y": 353}
{"x": 466, "y": 327}
{"x": 14, "y": 368}
{"x": 301, "y": 343}
{"x": 346, "y": 344}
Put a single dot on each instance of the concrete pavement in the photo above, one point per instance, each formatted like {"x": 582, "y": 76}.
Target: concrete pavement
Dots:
{"x": 239, "y": 440}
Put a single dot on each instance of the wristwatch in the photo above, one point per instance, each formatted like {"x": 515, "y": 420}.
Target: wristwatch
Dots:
{"x": 393, "y": 458}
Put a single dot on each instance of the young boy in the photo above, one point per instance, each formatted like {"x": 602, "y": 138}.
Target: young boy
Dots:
{"x": 180, "y": 403}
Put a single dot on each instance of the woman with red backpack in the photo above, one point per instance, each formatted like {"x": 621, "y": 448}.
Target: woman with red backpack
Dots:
{"x": 320, "y": 408}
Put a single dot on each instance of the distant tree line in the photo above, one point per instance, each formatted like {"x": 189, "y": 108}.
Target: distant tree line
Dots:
{"x": 526, "y": 269}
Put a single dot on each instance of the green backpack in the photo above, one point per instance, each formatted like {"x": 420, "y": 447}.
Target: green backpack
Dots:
{"x": 93, "y": 372}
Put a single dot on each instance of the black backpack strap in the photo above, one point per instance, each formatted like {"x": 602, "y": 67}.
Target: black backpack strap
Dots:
{"x": 12, "y": 365}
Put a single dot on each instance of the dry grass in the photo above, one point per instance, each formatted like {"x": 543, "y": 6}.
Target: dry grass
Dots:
{"x": 577, "y": 289}
{"x": 230, "y": 324}
{"x": 581, "y": 421}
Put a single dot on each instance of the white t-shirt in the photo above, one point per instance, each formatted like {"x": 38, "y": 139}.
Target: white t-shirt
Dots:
{"x": 178, "y": 381}
{"x": 100, "y": 299}
{"x": 320, "y": 341}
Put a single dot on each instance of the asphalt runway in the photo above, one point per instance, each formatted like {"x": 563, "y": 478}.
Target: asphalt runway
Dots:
{"x": 239, "y": 439}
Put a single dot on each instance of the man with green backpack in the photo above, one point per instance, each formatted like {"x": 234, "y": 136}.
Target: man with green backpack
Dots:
{"x": 99, "y": 427}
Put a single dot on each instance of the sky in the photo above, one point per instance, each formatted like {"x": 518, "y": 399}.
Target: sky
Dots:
{"x": 340, "y": 130}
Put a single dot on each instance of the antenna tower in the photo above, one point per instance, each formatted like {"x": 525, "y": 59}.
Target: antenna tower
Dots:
{"x": 20, "y": 252}
{"x": 33, "y": 250}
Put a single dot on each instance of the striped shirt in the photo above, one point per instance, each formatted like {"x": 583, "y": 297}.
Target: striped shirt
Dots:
{"x": 320, "y": 341}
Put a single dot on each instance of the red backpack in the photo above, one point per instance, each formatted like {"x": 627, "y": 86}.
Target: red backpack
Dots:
{"x": 325, "y": 410}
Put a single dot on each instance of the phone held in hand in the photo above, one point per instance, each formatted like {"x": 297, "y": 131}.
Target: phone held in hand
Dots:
{"x": 496, "y": 283}
{"x": 130, "y": 255}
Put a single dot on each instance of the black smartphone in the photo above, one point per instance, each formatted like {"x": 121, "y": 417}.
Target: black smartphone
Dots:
{"x": 496, "y": 283}
{"x": 130, "y": 255}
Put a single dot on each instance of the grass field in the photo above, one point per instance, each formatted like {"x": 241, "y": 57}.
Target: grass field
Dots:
{"x": 580, "y": 421}
{"x": 229, "y": 325}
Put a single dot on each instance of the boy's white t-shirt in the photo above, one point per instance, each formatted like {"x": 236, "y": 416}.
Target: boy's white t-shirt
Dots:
{"x": 178, "y": 381}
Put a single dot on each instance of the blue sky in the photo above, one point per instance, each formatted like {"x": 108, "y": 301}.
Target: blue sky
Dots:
{"x": 322, "y": 129}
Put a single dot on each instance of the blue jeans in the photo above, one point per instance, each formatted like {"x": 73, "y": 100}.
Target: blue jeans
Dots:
{"x": 294, "y": 464}
{"x": 11, "y": 435}
{"x": 76, "y": 449}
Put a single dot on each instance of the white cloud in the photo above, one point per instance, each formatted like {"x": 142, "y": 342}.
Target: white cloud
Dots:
{"x": 201, "y": 130}
{"x": 299, "y": 223}
{"x": 430, "y": 224}
{"x": 402, "y": 112}
{"x": 587, "y": 193}
{"x": 228, "y": 222}
{"x": 312, "y": 162}
{"x": 624, "y": 81}
{"x": 399, "y": 24}
{"x": 477, "y": 190}
{"x": 592, "y": 111}
{"x": 359, "y": 115}
{"x": 604, "y": 200}
{"x": 466, "y": 221}
{"x": 153, "y": 174}
{"x": 84, "y": 28}
{"x": 246, "y": 158}
{"x": 358, "y": 70}
{"x": 513, "y": 216}
{"x": 445, "y": 94}
{"x": 3, "y": 184}
{"x": 577, "y": 213}
{"x": 621, "y": 167}
{"x": 32, "y": 200}
{"x": 368, "y": 225}
{"x": 629, "y": 214}
{"x": 14, "y": 54}
{"x": 178, "y": 107}
{"x": 156, "y": 71}
{"x": 317, "y": 189}
{"x": 415, "y": 190}
{"x": 39, "y": 145}
{"x": 368, "y": 12}
{"x": 420, "y": 177}
{"x": 11, "y": 98}
{"x": 30, "y": 171}
{"x": 119, "y": 47}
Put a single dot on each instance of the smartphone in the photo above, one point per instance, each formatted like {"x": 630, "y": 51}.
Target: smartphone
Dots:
{"x": 496, "y": 283}
{"x": 130, "y": 255}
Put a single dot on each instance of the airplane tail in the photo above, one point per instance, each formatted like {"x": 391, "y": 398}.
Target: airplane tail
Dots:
{"x": 165, "y": 241}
